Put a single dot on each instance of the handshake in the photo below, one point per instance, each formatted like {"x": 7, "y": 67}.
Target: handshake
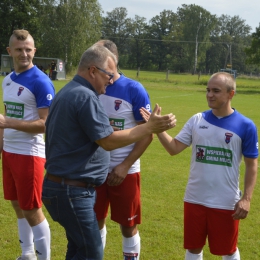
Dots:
{"x": 157, "y": 123}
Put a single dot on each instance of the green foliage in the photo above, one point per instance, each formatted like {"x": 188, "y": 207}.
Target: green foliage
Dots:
{"x": 68, "y": 28}
{"x": 17, "y": 15}
{"x": 117, "y": 27}
{"x": 197, "y": 25}
{"x": 163, "y": 178}
{"x": 253, "y": 52}
{"x": 192, "y": 39}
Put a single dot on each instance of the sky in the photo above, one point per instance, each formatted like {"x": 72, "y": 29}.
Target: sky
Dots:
{"x": 246, "y": 10}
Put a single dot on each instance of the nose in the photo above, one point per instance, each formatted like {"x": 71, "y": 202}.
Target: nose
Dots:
{"x": 209, "y": 93}
{"x": 24, "y": 53}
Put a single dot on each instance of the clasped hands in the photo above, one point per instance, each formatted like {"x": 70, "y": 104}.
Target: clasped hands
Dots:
{"x": 158, "y": 123}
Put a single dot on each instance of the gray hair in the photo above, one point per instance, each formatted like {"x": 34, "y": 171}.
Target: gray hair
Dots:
{"x": 227, "y": 78}
{"x": 96, "y": 55}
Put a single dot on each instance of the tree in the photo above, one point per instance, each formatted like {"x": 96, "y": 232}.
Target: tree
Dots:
{"x": 68, "y": 28}
{"x": 162, "y": 30}
{"x": 117, "y": 28}
{"x": 229, "y": 38}
{"x": 138, "y": 44}
{"x": 17, "y": 14}
{"x": 197, "y": 25}
{"x": 253, "y": 52}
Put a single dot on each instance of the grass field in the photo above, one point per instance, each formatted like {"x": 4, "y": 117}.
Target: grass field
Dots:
{"x": 163, "y": 179}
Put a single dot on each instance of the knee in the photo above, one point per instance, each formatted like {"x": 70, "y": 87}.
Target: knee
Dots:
{"x": 195, "y": 251}
{"x": 17, "y": 209}
{"x": 129, "y": 231}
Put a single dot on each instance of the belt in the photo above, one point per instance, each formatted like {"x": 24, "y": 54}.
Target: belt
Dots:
{"x": 76, "y": 183}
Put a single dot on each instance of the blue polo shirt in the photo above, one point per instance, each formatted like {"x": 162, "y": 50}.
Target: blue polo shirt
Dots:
{"x": 76, "y": 120}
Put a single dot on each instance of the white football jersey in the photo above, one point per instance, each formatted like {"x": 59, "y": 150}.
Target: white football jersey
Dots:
{"x": 122, "y": 102}
{"x": 23, "y": 94}
{"x": 217, "y": 149}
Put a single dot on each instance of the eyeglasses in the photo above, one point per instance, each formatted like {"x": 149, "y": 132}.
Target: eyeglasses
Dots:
{"x": 106, "y": 72}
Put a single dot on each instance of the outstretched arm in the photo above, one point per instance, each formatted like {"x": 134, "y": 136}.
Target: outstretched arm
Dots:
{"x": 242, "y": 207}
{"x": 119, "y": 173}
{"x": 171, "y": 145}
{"x": 155, "y": 124}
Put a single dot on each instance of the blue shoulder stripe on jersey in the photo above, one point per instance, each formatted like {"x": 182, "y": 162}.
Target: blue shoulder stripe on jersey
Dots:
{"x": 38, "y": 83}
{"x": 132, "y": 92}
{"x": 239, "y": 124}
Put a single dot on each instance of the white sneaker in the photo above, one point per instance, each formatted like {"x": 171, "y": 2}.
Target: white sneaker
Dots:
{"x": 27, "y": 257}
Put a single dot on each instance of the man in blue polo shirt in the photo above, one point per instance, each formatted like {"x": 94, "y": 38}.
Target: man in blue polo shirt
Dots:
{"x": 78, "y": 136}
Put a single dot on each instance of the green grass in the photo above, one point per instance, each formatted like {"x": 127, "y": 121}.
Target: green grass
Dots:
{"x": 163, "y": 179}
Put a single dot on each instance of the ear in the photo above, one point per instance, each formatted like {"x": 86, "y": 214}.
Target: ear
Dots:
{"x": 91, "y": 72}
{"x": 8, "y": 50}
{"x": 231, "y": 94}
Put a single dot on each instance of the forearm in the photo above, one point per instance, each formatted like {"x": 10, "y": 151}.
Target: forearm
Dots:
{"x": 30, "y": 126}
{"x": 166, "y": 142}
{"x": 125, "y": 137}
{"x": 156, "y": 124}
{"x": 250, "y": 178}
{"x": 171, "y": 145}
{"x": 137, "y": 151}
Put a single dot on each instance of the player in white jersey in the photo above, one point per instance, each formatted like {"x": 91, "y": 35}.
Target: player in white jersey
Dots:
{"x": 213, "y": 204}
{"x": 27, "y": 95}
{"x": 121, "y": 191}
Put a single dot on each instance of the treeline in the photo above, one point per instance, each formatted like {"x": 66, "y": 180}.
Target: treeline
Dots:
{"x": 188, "y": 40}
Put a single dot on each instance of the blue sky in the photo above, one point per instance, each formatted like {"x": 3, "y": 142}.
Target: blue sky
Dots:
{"x": 246, "y": 10}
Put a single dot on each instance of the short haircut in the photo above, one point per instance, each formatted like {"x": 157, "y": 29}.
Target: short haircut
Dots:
{"x": 20, "y": 35}
{"x": 228, "y": 79}
{"x": 96, "y": 55}
{"x": 109, "y": 45}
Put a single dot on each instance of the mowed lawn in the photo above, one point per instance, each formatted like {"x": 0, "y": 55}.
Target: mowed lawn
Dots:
{"x": 163, "y": 178}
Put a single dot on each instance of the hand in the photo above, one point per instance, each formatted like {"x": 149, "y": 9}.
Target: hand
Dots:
{"x": 116, "y": 128}
{"x": 242, "y": 208}
{"x": 117, "y": 175}
{"x": 158, "y": 123}
{"x": 145, "y": 114}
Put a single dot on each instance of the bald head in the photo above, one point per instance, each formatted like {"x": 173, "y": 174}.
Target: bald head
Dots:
{"x": 227, "y": 79}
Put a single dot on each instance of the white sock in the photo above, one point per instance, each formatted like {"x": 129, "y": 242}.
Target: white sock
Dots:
{"x": 132, "y": 246}
{"x": 235, "y": 256}
{"x": 190, "y": 256}
{"x": 42, "y": 240}
{"x": 103, "y": 233}
{"x": 25, "y": 236}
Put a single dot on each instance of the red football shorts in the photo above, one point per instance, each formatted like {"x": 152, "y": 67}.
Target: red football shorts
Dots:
{"x": 218, "y": 225}
{"x": 124, "y": 201}
{"x": 22, "y": 179}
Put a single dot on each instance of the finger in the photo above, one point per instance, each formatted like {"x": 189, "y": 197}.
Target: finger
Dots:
{"x": 116, "y": 128}
{"x": 155, "y": 110}
{"x": 159, "y": 111}
{"x": 145, "y": 114}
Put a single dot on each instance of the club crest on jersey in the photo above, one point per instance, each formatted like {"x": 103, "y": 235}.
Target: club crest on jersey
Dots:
{"x": 117, "y": 104}
{"x": 20, "y": 90}
{"x": 200, "y": 154}
{"x": 228, "y": 137}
